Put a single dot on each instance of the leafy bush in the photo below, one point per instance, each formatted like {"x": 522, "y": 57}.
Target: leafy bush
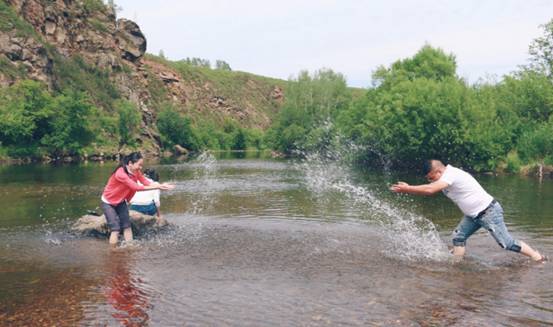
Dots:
{"x": 33, "y": 122}
{"x": 311, "y": 101}
{"x": 129, "y": 122}
{"x": 239, "y": 142}
{"x": 536, "y": 144}
{"x": 176, "y": 129}
{"x": 254, "y": 138}
{"x": 26, "y": 113}
{"x": 513, "y": 163}
{"x": 418, "y": 109}
{"x": 72, "y": 125}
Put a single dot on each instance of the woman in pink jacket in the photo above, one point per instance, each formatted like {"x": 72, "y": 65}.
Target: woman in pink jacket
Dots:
{"x": 121, "y": 187}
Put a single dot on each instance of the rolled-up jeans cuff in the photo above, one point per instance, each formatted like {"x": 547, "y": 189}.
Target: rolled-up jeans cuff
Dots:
{"x": 515, "y": 247}
{"x": 459, "y": 243}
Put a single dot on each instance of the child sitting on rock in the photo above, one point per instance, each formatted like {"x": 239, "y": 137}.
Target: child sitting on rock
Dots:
{"x": 147, "y": 202}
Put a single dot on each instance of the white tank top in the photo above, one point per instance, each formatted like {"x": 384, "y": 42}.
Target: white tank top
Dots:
{"x": 465, "y": 191}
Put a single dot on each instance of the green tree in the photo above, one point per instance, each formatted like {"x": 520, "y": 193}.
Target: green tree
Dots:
{"x": 129, "y": 122}
{"x": 161, "y": 54}
{"x": 430, "y": 63}
{"x": 73, "y": 124}
{"x": 254, "y": 138}
{"x": 176, "y": 129}
{"x": 421, "y": 109}
{"x": 311, "y": 101}
{"x": 419, "y": 119}
{"x": 197, "y": 62}
{"x": 536, "y": 145}
{"x": 529, "y": 94}
{"x": 26, "y": 112}
{"x": 541, "y": 51}
{"x": 240, "y": 140}
{"x": 222, "y": 65}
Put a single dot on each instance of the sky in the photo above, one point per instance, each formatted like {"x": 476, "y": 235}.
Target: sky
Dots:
{"x": 489, "y": 38}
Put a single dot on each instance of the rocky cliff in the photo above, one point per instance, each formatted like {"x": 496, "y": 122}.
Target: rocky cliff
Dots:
{"x": 40, "y": 39}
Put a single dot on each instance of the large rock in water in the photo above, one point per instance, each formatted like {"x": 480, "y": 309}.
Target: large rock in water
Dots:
{"x": 97, "y": 225}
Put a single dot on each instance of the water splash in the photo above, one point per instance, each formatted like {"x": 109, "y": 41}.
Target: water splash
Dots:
{"x": 207, "y": 168}
{"x": 410, "y": 236}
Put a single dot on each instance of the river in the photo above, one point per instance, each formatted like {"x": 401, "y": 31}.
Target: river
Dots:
{"x": 261, "y": 242}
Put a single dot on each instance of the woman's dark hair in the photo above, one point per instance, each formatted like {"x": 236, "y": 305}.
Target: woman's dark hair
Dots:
{"x": 151, "y": 174}
{"x": 133, "y": 157}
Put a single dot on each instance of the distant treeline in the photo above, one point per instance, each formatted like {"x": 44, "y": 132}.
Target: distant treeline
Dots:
{"x": 200, "y": 62}
{"x": 417, "y": 108}
{"x": 420, "y": 108}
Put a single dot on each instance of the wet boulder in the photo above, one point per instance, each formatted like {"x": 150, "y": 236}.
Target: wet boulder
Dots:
{"x": 93, "y": 225}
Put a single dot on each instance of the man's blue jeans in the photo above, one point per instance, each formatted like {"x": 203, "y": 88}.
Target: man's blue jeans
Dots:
{"x": 493, "y": 222}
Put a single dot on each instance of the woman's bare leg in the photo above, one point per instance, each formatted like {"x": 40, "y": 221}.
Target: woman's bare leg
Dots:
{"x": 114, "y": 237}
{"x": 127, "y": 233}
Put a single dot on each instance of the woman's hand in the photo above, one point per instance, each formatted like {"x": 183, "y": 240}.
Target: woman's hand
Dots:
{"x": 166, "y": 186}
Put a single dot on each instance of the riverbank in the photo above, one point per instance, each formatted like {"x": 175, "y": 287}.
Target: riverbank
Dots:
{"x": 164, "y": 157}
{"x": 180, "y": 154}
{"x": 100, "y": 157}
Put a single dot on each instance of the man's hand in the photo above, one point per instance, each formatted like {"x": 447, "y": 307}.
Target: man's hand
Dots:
{"x": 425, "y": 189}
{"x": 399, "y": 187}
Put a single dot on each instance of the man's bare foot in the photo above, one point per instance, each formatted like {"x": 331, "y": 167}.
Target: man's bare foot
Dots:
{"x": 542, "y": 259}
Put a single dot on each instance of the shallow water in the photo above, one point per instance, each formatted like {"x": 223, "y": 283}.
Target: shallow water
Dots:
{"x": 259, "y": 242}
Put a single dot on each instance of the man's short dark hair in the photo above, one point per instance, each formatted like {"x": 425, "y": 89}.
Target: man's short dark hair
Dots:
{"x": 427, "y": 167}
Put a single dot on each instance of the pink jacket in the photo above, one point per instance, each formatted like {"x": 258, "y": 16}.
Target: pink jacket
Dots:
{"x": 122, "y": 186}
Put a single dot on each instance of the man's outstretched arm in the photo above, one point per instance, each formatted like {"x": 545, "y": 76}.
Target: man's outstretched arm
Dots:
{"x": 424, "y": 189}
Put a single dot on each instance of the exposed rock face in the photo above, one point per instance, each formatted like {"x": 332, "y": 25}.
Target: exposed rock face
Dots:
{"x": 131, "y": 41}
{"x": 25, "y": 54}
{"x": 70, "y": 28}
{"x": 73, "y": 29}
{"x": 91, "y": 225}
{"x": 277, "y": 94}
{"x": 63, "y": 29}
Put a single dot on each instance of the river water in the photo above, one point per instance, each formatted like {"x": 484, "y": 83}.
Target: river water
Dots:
{"x": 262, "y": 242}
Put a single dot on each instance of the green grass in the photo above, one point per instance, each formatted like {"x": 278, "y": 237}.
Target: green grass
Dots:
{"x": 94, "y": 5}
{"x": 9, "y": 20}
{"x": 157, "y": 89}
{"x": 9, "y": 69}
{"x": 98, "y": 25}
{"x": 239, "y": 89}
{"x": 75, "y": 73}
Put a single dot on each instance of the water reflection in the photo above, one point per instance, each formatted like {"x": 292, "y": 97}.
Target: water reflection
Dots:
{"x": 124, "y": 291}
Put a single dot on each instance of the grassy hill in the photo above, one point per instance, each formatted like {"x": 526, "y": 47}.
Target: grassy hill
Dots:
{"x": 80, "y": 50}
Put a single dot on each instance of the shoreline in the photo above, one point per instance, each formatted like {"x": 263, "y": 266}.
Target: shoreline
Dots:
{"x": 102, "y": 157}
{"x": 536, "y": 170}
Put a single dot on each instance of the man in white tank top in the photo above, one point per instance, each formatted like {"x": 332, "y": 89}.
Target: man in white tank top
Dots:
{"x": 479, "y": 208}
